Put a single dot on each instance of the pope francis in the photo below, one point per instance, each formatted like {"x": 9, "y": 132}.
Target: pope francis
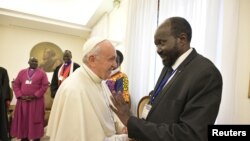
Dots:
{"x": 80, "y": 111}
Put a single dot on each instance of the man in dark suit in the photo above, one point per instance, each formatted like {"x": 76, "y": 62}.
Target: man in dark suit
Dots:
{"x": 186, "y": 100}
{"x": 62, "y": 72}
{"x": 4, "y": 103}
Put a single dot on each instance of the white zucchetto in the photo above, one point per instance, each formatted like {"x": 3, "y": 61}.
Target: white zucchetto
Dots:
{"x": 90, "y": 44}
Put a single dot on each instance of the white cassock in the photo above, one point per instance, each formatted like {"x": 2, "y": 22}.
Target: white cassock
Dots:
{"x": 80, "y": 111}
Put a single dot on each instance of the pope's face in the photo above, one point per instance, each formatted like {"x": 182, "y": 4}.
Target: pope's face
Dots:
{"x": 105, "y": 60}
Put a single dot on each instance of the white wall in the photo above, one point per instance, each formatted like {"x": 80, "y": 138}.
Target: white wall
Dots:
{"x": 17, "y": 42}
{"x": 242, "y": 102}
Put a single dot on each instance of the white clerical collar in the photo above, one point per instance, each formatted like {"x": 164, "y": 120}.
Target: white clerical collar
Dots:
{"x": 181, "y": 59}
{"x": 91, "y": 74}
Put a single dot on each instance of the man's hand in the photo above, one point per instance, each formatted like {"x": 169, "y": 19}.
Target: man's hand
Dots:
{"x": 121, "y": 108}
{"x": 27, "y": 98}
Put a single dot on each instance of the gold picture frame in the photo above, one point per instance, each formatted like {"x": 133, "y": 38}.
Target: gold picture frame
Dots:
{"x": 49, "y": 55}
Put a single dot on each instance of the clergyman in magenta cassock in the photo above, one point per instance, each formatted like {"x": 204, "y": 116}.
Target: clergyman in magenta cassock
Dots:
{"x": 29, "y": 87}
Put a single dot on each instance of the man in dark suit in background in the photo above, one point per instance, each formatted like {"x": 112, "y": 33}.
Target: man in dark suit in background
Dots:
{"x": 4, "y": 103}
{"x": 186, "y": 100}
{"x": 62, "y": 72}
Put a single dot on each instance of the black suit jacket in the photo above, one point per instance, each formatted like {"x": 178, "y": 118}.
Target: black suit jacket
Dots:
{"x": 54, "y": 82}
{"x": 4, "y": 95}
{"x": 185, "y": 106}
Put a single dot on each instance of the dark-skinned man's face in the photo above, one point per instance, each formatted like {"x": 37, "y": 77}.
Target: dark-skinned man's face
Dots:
{"x": 33, "y": 62}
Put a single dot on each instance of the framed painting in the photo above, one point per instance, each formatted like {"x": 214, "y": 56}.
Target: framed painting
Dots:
{"x": 49, "y": 55}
